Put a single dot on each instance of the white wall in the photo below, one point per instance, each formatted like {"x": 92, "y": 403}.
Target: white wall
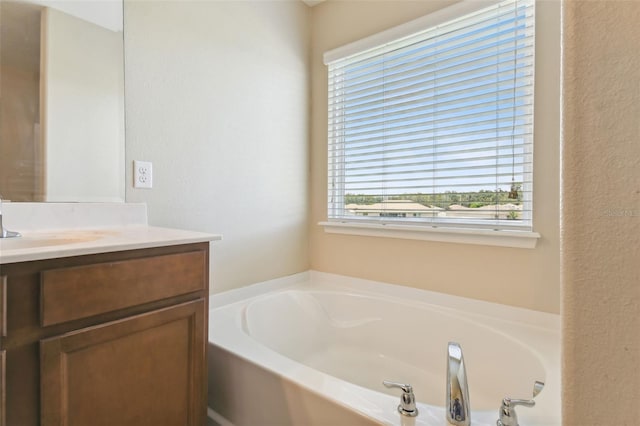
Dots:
{"x": 217, "y": 98}
{"x": 178, "y": 119}
{"x": 520, "y": 277}
{"x": 82, "y": 109}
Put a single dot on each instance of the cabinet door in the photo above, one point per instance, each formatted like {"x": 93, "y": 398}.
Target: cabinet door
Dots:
{"x": 144, "y": 370}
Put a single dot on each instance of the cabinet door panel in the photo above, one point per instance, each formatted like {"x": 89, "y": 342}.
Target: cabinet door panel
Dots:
{"x": 143, "y": 370}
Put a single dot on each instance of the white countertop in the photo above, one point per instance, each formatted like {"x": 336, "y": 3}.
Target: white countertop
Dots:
{"x": 49, "y": 244}
{"x": 52, "y": 230}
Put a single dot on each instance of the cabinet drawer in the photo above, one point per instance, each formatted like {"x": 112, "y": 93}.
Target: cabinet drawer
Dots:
{"x": 82, "y": 291}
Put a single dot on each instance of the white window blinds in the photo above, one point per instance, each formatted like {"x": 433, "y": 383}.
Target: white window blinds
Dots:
{"x": 436, "y": 128}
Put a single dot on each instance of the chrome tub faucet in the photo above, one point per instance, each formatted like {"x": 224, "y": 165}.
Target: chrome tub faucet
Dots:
{"x": 507, "y": 415}
{"x": 407, "y": 405}
{"x": 458, "y": 411}
{"x": 5, "y": 233}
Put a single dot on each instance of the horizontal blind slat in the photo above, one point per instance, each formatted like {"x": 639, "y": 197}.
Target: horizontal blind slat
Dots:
{"x": 398, "y": 148}
{"x": 480, "y": 84}
{"x": 443, "y": 75}
{"x": 424, "y": 99}
{"x": 437, "y": 62}
{"x": 394, "y": 123}
{"x": 442, "y": 129}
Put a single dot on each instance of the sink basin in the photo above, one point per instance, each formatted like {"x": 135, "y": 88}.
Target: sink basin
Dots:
{"x": 34, "y": 241}
{"x": 27, "y": 243}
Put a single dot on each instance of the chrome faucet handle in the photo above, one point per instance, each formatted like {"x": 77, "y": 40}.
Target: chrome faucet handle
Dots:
{"x": 537, "y": 387}
{"x": 507, "y": 415}
{"x": 407, "y": 405}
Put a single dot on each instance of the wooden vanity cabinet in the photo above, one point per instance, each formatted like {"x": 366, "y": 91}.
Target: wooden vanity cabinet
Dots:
{"x": 109, "y": 339}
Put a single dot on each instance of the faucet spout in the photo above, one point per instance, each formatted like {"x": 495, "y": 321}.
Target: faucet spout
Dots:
{"x": 458, "y": 411}
{"x": 4, "y": 232}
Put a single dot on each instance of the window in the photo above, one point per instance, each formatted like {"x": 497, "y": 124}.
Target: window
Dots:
{"x": 435, "y": 127}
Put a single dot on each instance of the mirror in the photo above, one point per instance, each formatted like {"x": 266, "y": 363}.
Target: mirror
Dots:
{"x": 62, "y": 101}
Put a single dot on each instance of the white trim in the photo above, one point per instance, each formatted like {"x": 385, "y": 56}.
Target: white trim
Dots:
{"x": 218, "y": 418}
{"x": 502, "y": 238}
{"x": 409, "y": 28}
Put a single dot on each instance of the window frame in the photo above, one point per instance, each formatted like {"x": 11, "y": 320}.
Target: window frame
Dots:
{"x": 462, "y": 230}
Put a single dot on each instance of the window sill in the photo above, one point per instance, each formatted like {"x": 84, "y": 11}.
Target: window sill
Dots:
{"x": 515, "y": 239}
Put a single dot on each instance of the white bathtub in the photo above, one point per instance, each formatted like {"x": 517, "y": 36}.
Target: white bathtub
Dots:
{"x": 313, "y": 349}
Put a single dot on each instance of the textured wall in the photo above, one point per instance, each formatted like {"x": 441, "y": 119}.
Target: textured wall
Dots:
{"x": 601, "y": 213}
{"x": 217, "y": 98}
{"x": 520, "y": 277}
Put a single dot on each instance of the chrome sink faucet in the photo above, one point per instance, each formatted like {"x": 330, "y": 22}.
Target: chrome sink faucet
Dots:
{"x": 5, "y": 233}
{"x": 458, "y": 411}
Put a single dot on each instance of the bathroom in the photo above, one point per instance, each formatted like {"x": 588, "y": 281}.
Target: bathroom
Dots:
{"x": 227, "y": 99}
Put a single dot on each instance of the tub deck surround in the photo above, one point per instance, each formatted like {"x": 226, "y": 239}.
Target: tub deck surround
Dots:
{"x": 337, "y": 338}
{"x": 53, "y": 230}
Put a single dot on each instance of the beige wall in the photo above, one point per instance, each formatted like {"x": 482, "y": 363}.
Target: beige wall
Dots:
{"x": 520, "y": 277}
{"x": 217, "y": 97}
{"x": 601, "y": 213}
